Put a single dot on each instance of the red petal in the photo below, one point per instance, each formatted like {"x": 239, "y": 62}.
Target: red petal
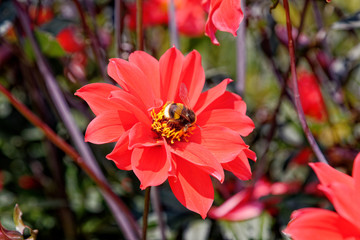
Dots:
{"x": 150, "y": 67}
{"x": 228, "y": 16}
{"x": 192, "y": 187}
{"x": 356, "y": 172}
{"x": 151, "y": 165}
{"x": 200, "y": 156}
{"x": 121, "y": 155}
{"x": 96, "y": 95}
{"x": 210, "y": 29}
{"x": 210, "y": 95}
{"x": 193, "y": 76}
{"x": 228, "y": 100}
{"x": 328, "y": 175}
{"x": 224, "y": 15}
{"x": 228, "y": 118}
{"x": 345, "y": 200}
{"x": 319, "y": 224}
{"x": 250, "y": 154}
{"x": 141, "y": 135}
{"x": 170, "y": 69}
{"x": 237, "y": 208}
{"x": 340, "y": 189}
{"x": 240, "y": 167}
{"x": 104, "y": 128}
{"x": 224, "y": 143}
{"x": 129, "y": 98}
{"x": 132, "y": 79}
{"x": 131, "y": 104}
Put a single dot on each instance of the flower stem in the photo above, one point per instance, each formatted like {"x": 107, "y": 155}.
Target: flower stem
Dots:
{"x": 296, "y": 94}
{"x": 174, "y": 36}
{"x": 156, "y": 204}
{"x": 118, "y": 25}
{"x": 94, "y": 42}
{"x": 139, "y": 25}
{"x": 146, "y": 212}
{"x": 241, "y": 54}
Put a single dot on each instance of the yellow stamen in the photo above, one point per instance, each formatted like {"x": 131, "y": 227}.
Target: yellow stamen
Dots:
{"x": 166, "y": 128}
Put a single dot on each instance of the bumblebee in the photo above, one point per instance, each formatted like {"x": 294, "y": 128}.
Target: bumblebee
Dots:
{"x": 179, "y": 116}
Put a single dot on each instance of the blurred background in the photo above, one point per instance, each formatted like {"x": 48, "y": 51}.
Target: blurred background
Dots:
{"x": 49, "y": 49}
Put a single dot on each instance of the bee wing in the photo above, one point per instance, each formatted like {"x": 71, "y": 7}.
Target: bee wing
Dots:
{"x": 183, "y": 94}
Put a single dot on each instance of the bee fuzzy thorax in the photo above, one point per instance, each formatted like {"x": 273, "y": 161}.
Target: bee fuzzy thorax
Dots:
{"x": 174, "y": 121}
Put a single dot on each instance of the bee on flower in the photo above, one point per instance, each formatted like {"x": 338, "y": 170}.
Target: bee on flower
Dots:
{"x": 166, "y": 128}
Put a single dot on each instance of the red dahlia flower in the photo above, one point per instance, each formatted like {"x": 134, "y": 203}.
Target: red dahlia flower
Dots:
{"x": 343, "y": 191}
{"x": 158, "y": 136}
{"x": 224, "y": 15}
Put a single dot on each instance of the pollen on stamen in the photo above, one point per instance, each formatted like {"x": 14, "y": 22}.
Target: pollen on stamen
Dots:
{"x": 167, "y": 128}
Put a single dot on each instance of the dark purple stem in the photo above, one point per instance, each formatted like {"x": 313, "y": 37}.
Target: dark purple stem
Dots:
{"x": 296, "y": 94}
{"x": 303, "y": 13}
{"x": 146, "y": 212}
{"x": 155, "y": 200}
{"x": 241, "y": 54}
{"x": 126, "y": 223}
{"x": 94, "y": 43}
{"x": 174, "y": 36}
{"x": 139, "y": 25}
{"x": 118, "y": 26}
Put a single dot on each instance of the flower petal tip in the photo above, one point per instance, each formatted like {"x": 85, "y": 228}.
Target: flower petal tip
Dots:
{"x": 229, "y": 80}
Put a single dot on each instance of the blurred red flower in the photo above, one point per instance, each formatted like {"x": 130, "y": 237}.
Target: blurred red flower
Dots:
{"x": 190, "y": 16}
{"x": 303, "y": 156}
{"x": 311, "y": 97}
{"x": 343, "y": 191}
{"x": 40, "y": 15}
{"x": 248, "y": 203}
{"x": 28, "y": 182}
{"x": 70, "y": 40}
{"x": 224, "y": 15}
{"x": 158, "y": 136}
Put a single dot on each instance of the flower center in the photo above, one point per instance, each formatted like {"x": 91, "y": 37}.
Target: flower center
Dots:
{"x": 174, "y": 122}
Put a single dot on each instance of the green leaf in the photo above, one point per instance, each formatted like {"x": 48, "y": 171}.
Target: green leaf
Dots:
{"x": 49, "y": 45}
{"x": 19, "y": 224}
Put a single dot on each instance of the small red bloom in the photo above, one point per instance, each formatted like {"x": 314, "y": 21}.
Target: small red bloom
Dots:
{"x": 311, "y": 97}
{"x": 224, "y": 15}
{"x": 165, "y": 128}
{"x": 70, "y": 40}
{"x": 28, "y": 182}
{"x": 40, "y": 15}
{"x": 343, "y": 191}
{"x": 303, "y": 156}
